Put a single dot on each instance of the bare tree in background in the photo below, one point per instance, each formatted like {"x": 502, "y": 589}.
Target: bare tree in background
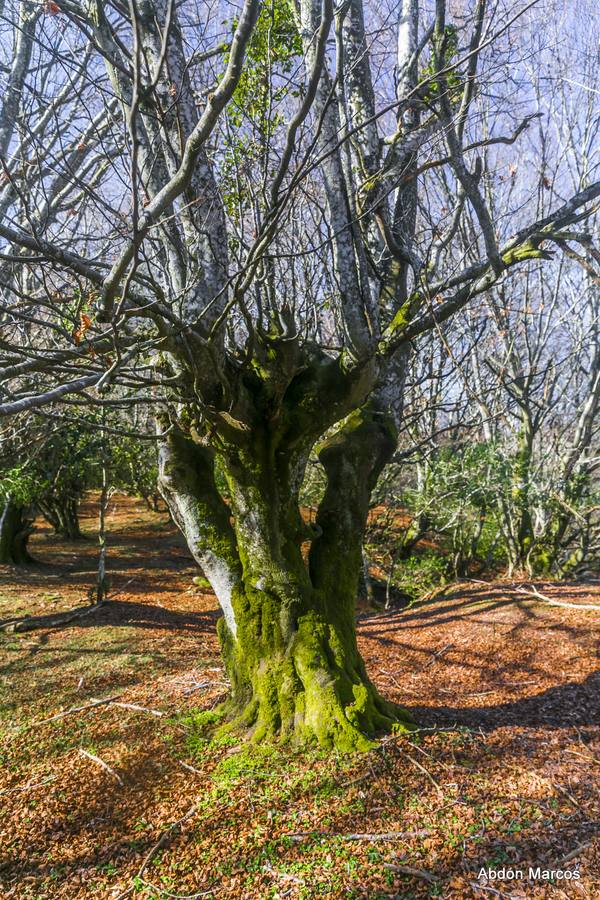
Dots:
{"x": 533, "y": 370}
{"x": 240, "y": 224}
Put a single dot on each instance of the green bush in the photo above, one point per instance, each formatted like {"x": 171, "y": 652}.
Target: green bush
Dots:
{"x": 421, "y": 573}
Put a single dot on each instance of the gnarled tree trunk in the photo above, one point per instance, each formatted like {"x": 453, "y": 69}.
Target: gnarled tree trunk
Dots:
{"x": 287, "y": 590}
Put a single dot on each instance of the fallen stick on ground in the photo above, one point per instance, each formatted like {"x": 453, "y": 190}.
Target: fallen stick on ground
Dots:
{"x": 203, "y": 685}
{"x": 575, "y": 853}
{"x": 285, "y": 876}
{"x": 113, "y": 597}
{"x": 359, "y": 836}
{"x": 137, "y": 708}
{"x": 161, "y": 842}
{"x": 162, "y": 893}
{"x": 566, "y": 794}
{"x": 190, "y": 768}
{"x": 30, "y": 623}
{"x": 384, "y": 836}
{"x": 490, "y": 890}
{"x": 436, "y": 655}
{"x": 29, "y": 786}
{"x": 583, "y": 756}
{"x": 72, "y": 711}
{"x": 103, "y": 765}
{"x": 434, "y": 593}
{"x": 429, "y": 756}
{"x": 538, "y": 596}
{"x": 409, "y": 870}
{"x": 416, "y": 763}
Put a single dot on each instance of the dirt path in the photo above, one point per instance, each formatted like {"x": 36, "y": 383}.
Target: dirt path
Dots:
{"x": 513, "y": 778}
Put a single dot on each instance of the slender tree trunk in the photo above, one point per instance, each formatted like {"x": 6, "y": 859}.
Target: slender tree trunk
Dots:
{"x": 287, "y": 590}
{"x": 518, "y": 525}
{"x": 71, "y": 528}
{"x": 47, "y": 510}
{"x": 521, "y": 491}
{"x": 15, "y": 530}
{"x": 62, "y": 513}
{"x": 101, "y": 580}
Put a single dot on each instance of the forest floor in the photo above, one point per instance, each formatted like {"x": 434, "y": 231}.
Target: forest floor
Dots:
{"x": 506, "y": 772}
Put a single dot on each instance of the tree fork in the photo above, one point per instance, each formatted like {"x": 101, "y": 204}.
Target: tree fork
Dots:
{"x": 288, "y": 633}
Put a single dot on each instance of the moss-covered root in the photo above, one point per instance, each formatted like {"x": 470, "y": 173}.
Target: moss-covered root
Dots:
{"x": 339, "y": 706}
{"x": 315, "y": 691}
{"x": 353, "y": 726}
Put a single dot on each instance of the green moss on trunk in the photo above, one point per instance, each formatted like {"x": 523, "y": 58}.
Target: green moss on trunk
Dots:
{"x": 288, "y": 636}
{"x": 295, "y": 666}
{"x": 313, "y": 689}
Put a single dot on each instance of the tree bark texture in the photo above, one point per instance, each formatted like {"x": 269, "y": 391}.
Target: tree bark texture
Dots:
{"x": 287, "y": 589}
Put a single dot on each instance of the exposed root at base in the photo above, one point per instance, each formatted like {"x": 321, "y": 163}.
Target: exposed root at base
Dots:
{"x": 333, "y": 729}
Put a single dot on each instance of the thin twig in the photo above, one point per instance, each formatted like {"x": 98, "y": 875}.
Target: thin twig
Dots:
{"x": 384, "y": 836}
{"x": 103, "y": 765}
{"x": 283, "y": 875}
{"x": 161, "y": 892}
{"x": 202, "y": 685}
{"x": 436, "y": 655}
{"x": 484, "y": 887}
{"x": 30, "y": 623}
{"x": 584, "y": 756}
{"x": 429, "y": 756}
{"x": 137, "y": 708}
{"x": 416, "y": 763}
{"x": 575, "y": 853}
{"x": 359, "y": 836}
{"x": 409, "y": 870}
{"x": 72, "y": 711}
{"x": 566, "y": 794}
{"x": 29, "y": 786}
{"x": 190, "y": 768}
{"x": 161, "y": 842}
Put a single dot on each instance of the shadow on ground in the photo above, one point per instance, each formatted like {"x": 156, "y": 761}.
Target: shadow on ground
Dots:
{"x": 119, "y": 613}
{"x": 564, "y": 706}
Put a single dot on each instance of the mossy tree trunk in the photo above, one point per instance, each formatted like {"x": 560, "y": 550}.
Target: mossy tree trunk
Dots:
{"x": 15, "y": 530}
{"x": 287, "y": 590}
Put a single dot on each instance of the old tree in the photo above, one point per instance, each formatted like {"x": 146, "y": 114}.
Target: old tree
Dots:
{"x": 235, "y": 215}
